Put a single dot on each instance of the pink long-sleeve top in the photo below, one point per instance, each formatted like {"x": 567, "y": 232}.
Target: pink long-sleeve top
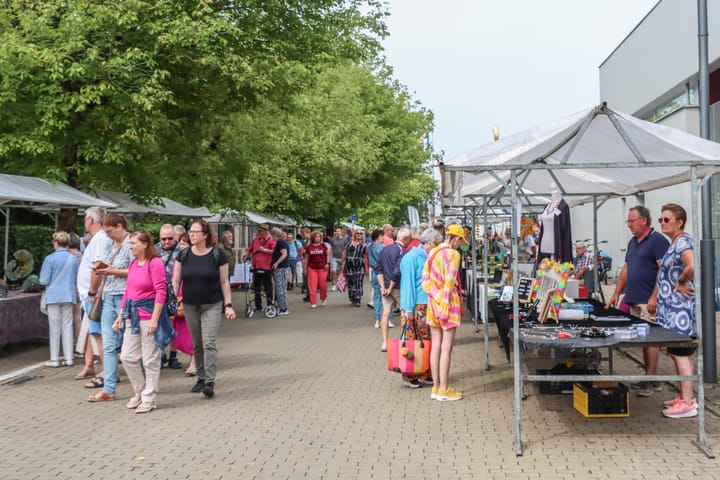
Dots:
{"x": 145, "y": 281}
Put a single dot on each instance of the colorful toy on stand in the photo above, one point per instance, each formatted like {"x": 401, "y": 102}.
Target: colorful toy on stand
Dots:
{"x": 549, "y": 288}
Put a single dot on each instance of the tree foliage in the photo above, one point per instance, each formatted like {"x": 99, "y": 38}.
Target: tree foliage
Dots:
{"x": 279, "y": 106}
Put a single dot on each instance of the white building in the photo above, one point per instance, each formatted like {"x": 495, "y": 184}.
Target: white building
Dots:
{"x": 653, "y": 75}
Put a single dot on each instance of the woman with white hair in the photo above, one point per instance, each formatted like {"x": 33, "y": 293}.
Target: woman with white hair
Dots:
{"x": 58, "y": 274}
{"x": 413, "y": 299}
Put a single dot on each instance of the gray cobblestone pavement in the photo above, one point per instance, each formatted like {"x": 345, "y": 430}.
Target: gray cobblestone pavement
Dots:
{"x": 308, "y": 396}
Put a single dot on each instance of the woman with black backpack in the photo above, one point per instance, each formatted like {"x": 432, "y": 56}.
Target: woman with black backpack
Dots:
{"x": 203, "y": 270}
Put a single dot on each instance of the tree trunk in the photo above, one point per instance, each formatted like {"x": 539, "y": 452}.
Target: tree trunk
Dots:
{"x": 67, "y": 220}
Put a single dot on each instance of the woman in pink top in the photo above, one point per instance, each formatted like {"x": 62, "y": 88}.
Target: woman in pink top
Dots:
{"x": 147, "y": 326}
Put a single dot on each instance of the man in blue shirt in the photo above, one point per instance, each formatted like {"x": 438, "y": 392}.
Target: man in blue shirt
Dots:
{"x": 387, "y": 270}
{"x": 638, "y": 278}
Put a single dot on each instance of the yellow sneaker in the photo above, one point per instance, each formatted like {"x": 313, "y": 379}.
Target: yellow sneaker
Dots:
{"x": 433, "y": 394}
{"x": 448, "y": 395}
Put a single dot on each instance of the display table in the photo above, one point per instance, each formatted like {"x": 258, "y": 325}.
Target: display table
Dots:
{"x": 21, "y": 319}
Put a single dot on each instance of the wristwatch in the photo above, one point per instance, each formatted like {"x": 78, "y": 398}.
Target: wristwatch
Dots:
{"x": 228, "y": 305}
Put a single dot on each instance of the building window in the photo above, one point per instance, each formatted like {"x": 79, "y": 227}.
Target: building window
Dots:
{"x": 685, "y": 99}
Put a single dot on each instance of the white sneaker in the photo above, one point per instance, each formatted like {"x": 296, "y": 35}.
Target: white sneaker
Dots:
{"x": 334, "y": 288}
{"x": 52, "y": 363}
{"x": 323, "y": 303}
{"x": 391, "y": 324}
{"x": 383, "y": 347}
{"x": 377, "y": 323}
{"x": 313, "y": 305}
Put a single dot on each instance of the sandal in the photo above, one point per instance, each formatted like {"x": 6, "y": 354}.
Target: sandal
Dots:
{"x": 191, "y": 371}
{"x": 97, "y": 382}
{"x": 134, "y": 402}
{"x": 85, "y": 373}
{"x": 102, "y": 397}
{"x": 145, "y": 407}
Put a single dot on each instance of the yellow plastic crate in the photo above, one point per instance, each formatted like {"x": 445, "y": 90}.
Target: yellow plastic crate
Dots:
{"x": 601, "y": 402}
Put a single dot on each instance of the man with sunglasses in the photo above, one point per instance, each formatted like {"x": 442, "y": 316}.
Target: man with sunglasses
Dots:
{"x": 168, "y": 249}
{"x": 638, "y": 278}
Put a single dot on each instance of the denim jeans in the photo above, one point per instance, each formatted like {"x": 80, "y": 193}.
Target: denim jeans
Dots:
{"x": 377, "y": 296}
{"x": 111, "y": 340}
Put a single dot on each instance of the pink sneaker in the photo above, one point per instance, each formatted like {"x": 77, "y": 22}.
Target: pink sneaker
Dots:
{"x": 681, "y": 410}
{"x": 670, "y": 403}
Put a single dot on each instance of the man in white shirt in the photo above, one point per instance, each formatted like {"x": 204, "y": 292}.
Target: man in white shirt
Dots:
{"x": 87, "y": 285}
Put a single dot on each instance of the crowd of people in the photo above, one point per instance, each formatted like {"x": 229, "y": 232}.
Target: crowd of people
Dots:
{"x": 137, "y": 299}
{"x": 414, "y": 274}
{"x": 142, "y": 302}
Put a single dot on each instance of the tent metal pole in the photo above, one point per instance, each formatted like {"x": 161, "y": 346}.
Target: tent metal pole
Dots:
{"x": 597, "y": 288}
{"x": 516, "y": 322}
{"x": 707, "y": 244}
{"x": 6, "y": 212}
{"x": 473, "y": 273}
{"x": 486, "y": 247}
{"x": 701, "y": 441}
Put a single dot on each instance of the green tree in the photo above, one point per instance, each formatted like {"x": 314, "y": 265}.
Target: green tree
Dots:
{"x": 137, "y": 95}
{"x": 341, "y": 144}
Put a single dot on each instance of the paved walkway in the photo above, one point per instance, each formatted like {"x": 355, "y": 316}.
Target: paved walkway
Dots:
{"x": 309, "y": 396}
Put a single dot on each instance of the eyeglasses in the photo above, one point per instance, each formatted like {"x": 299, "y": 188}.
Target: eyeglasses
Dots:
{"x": 167, "y": 239}
{"x": 195, "y": 232}
{"x": 633, "y": 220}
{"x": 665, "y": 220}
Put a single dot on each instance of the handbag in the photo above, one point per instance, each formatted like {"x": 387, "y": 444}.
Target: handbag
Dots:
{"x": 171, "y": 300}
{"x": 95, "y": 312}
{"x": 43, "y": 297}
{"x": 43, "y": 303}
{"x": 341, "y": 283}
{"x": 409, "y": 357}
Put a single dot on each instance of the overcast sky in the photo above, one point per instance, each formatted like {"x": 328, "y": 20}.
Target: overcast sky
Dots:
{"x": 514, "y": 63}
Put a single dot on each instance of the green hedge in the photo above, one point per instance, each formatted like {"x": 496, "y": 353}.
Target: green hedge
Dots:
{"x": 34, "y": 238}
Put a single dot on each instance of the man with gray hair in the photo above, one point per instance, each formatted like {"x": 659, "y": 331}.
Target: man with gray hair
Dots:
{"x": 387, "y": 270}
{"x": 87, "y": 285}
{"x": 638, "y": 278}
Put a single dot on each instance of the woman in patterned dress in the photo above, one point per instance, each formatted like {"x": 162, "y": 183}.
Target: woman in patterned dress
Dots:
{"x": 675, "y": 300}
{"x": 440, "y": 281}
{"x": 355, "y": 264}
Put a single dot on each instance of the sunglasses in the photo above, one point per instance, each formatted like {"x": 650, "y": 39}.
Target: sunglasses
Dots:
{"x": 665, "y": 220}
{"x": 166, "y": 239}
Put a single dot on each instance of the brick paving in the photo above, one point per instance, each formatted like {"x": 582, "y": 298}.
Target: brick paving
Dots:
{"x": 308, "y": 396}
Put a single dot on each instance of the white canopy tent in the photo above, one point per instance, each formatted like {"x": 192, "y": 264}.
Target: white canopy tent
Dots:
{"x": 39, "y": 194}
{"x": 166, "y": 207}
{"x": 590, "y": 155}
{"x": 595, "y": 153}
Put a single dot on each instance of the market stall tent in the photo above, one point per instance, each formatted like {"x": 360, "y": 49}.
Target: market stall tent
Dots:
{"x": 166, "y": 207}
{"x": 596, "y": 153}
{"x": 17, "y": 191}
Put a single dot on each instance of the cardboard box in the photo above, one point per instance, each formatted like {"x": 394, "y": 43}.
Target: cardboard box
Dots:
{"x": 601, "y": 402}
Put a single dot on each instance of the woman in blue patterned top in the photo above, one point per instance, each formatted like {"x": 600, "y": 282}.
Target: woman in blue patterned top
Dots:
{"x": 676, "y": 303}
